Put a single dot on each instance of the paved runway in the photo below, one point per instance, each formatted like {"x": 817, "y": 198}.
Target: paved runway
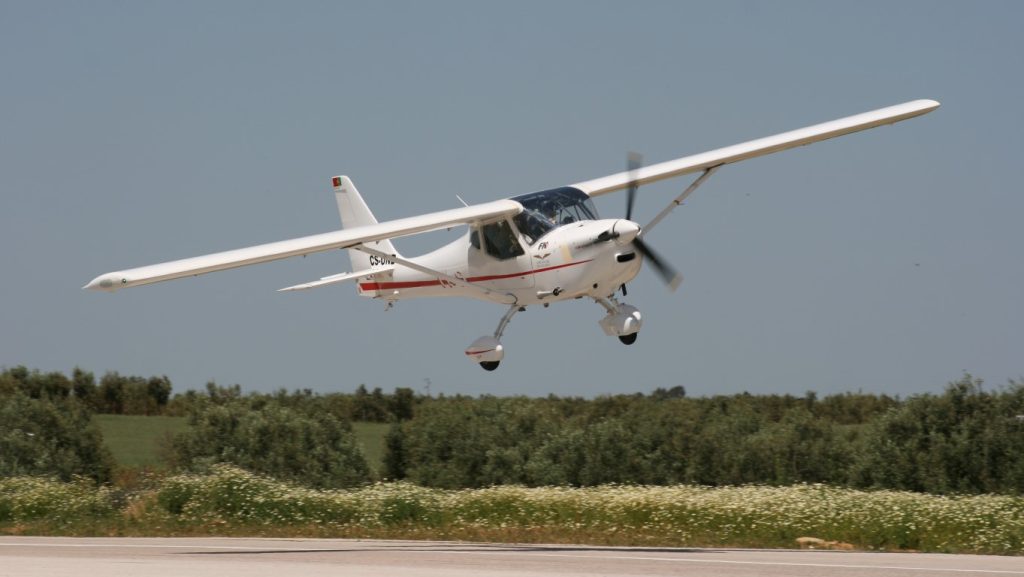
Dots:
{"x": 222, "y": 557}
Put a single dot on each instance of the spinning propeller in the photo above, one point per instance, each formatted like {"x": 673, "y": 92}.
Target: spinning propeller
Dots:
{"x": 667, "y": 272}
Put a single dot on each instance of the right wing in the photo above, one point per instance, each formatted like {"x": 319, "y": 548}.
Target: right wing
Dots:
{"x": 759, "y": 147}
{"x": 345, "y": 238}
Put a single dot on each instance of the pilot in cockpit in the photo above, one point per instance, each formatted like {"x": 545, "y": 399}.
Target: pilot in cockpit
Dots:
{"x": 533, "y": 225}
{"x": 551, "y": 211}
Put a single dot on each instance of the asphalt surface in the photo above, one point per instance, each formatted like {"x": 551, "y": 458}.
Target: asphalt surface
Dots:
{"x": 223, "y": 557}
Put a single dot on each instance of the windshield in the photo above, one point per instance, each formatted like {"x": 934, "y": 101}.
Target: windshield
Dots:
{"x": 547, "y": 209}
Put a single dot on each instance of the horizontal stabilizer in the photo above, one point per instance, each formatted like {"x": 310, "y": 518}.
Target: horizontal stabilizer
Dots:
{"x": 337, "y": 278}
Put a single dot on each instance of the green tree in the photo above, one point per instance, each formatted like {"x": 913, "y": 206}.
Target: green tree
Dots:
{"x": 38, "y": 385}
{"x": 401, "y": 403}
{"x": 45, "y": 436}
{"x": 159, "y": 389}
{"x": 395, "y": 459}
{"x": 314, "y": 449}
{"x": 84, "y": 388}
{"x": 111, "y": 393}
{"x": 462, "y": 442}
{"x": 966, "y": 440}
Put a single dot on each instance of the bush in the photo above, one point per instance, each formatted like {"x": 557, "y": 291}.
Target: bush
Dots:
{"x": 678, "y": 515}
{"x": 314, "y": 449}
{"x": 50, "y": 437}
{"x": 472, "y": 443}
{"x": 227, "y": 493}
{"x": 33, "y": 498}
{"x": 963, "y": 441}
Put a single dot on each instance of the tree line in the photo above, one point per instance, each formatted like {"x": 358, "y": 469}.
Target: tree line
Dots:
{"x": 117, "y": 394}
{"x": 968, "y": 439}
{"x": 965, "y": 440}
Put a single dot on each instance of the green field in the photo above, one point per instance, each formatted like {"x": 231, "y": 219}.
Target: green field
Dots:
{"x": 135, "y": 440}
{"x": 371, "y": 438}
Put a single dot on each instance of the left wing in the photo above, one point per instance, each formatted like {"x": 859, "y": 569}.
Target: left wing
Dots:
{"x": 346, "y": 238}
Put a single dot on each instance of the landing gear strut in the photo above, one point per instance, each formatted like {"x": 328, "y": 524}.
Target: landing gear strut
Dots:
{"x": 487, "y": 350}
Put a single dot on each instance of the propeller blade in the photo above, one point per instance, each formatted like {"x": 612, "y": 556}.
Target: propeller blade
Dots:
{"x": 667, "y": 273}
{"x": 633, "y": 163}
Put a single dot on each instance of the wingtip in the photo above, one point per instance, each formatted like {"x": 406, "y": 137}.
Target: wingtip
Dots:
{"x": 102, "y": 283}
{"x": 927, "y": 104}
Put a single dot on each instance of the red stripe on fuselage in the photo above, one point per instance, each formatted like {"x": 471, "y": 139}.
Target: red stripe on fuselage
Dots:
{"x": 378, "y": 286}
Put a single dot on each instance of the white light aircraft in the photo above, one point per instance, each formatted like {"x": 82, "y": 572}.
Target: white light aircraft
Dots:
{"x": 534, "y": 249}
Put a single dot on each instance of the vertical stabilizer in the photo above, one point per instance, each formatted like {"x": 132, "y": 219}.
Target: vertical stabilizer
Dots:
{"x": 354, "y": 213}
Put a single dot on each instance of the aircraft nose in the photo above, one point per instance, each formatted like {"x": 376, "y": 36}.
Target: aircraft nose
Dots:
{"x": 626, "y": 231}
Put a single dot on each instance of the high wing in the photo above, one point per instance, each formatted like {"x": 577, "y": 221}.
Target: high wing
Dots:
{"x": 345, "y": 238}
{"x": 352, "y": 237}
{"x": 759, "y": 147}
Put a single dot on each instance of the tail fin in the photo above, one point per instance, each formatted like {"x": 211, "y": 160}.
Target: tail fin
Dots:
{"x": 354, "y": 213}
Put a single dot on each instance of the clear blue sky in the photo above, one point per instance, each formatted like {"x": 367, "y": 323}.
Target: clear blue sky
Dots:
{"x": 139, "y": 132}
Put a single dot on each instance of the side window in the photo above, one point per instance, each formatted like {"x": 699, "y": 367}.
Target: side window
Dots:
{"x": 501, "y": 241}
{"x": 474, "y": 238}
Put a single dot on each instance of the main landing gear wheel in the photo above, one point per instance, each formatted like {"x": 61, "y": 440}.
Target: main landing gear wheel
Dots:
{"x": 628, "y": 339}
{"x": 487, "y": 350}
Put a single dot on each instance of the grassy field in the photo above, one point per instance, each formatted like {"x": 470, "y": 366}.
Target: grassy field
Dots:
{"x": 371, "y": 437}
{"x": 135, "y": 440}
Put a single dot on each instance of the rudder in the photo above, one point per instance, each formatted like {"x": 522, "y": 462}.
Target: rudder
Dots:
{"x": 355, "y": 213}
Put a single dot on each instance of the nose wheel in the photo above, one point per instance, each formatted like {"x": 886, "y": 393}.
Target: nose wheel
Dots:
{"x": 490, "y": 365}
{"x": 623, "y": 321}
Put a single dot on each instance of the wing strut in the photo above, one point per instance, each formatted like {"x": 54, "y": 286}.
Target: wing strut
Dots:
{"x": 337, "y": 278}
{"x": 508, "y": 299}
{"x": 679, "y": 199}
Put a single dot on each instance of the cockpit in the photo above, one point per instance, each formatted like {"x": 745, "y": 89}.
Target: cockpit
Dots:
{"x": 548, "y": 209}
{"x": 542, "y": 212}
